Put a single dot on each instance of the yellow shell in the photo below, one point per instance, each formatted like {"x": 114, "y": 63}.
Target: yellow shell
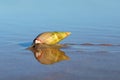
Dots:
{"x": 50, "y": 37}
{"x": 46, "y": 54}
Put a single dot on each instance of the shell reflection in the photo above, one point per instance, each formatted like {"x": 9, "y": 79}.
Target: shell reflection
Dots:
{"x": 48, "y": 54}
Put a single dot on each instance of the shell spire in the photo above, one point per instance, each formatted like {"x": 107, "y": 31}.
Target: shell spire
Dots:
{"x": 50, "y": 37}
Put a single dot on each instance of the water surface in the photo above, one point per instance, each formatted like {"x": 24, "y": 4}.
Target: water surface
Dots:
{"x": 93, "y": 46}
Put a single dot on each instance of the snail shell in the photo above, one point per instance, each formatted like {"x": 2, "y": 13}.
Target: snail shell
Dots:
{"x": 50, "y": 37}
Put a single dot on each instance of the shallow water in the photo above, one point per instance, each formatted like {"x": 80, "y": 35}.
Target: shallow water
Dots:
{"x": 93, "y": 46}
{"x": 94, "y": 54}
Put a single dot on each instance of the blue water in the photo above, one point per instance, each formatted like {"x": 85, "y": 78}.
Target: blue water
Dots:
{"x": 90, "y": 21}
